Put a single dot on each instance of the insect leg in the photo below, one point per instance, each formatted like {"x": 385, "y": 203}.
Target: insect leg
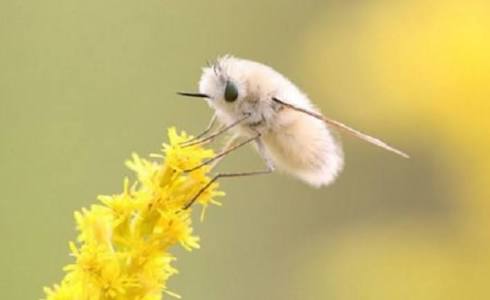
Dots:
{"x": 224, "y": 175}
{"x": 270, "y": 168}
{"x": 263, "y": 154}
{"x": 231, "y": 148}
{"x": 229, "y": 144}
{"x": 219, "y": 132}
{"x": 208, "y": 129}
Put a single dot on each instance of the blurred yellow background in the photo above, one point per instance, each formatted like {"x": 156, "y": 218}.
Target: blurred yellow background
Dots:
{"x": 85, "y": 83}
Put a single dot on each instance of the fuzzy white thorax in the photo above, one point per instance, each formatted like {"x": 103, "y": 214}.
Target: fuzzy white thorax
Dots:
{"x": 296, "y": 143}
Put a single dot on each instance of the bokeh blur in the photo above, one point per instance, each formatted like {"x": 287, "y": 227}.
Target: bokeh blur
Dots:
{"x": 85, "y": 83}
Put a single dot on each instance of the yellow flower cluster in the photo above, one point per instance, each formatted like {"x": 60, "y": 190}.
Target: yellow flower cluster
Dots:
{"x": 122, "y": 251}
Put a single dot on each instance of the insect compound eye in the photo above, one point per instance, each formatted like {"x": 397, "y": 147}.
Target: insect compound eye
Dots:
{"x": 231, "y": 92}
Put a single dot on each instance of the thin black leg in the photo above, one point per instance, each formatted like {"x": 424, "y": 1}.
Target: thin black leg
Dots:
{"x": 219, "y": 132}
{"x": 208, "y": 128}
{"x": 231, "y": 149}
{"x": 224, "y": 175}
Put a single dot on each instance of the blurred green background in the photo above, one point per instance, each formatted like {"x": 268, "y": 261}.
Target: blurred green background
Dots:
{"x": 85, "y": 83}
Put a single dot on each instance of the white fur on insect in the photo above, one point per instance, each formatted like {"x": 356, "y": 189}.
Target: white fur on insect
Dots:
{"x": 295, "y": 142}
{"x": 256, "y": 102}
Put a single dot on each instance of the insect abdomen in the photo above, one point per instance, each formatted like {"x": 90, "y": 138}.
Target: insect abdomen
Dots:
{"x": 307, "y": 149}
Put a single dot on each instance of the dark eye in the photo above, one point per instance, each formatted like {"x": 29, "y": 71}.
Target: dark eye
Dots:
{"x": 231, "y": 92}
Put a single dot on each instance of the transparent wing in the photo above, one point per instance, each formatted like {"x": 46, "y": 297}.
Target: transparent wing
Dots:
{"x": 345, "y": 128}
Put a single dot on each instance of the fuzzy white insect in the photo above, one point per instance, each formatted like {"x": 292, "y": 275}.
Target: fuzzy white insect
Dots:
{"x": 255, "y": 102}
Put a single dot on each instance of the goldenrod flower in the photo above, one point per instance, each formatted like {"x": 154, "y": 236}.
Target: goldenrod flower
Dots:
{"x": 122, "y": 250}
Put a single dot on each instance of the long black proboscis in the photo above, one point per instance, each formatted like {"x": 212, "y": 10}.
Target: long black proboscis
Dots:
{"x": 195, "y": 95}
